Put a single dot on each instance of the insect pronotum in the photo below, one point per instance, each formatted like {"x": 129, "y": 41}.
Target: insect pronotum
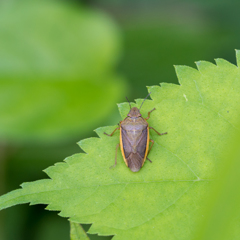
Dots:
{"x": 134, "y": 138}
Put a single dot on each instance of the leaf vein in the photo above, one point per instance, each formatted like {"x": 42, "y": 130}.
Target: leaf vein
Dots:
{"x": 198, "y": 178}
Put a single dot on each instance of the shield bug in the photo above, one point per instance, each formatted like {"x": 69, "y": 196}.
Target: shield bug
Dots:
{"x": 134, "y": 138}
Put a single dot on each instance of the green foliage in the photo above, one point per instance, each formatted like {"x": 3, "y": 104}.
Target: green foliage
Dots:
{"x": 222, "y": 215}
{"x": 77, "y": 232}
{"x": 54, "y": 58}
{"x": 164, "y": 199}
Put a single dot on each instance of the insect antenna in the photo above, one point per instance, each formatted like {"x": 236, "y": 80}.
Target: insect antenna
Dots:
{"x": 144, "y": 100}
{"x": 129, "y": 103}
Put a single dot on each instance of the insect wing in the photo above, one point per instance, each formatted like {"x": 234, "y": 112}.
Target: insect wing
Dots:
{"x": 142, "y": 144}
{"x": 134, "y": 149}
{"x": 126, "y": 147}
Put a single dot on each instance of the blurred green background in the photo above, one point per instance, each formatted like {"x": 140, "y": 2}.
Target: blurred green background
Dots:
{"x": 65, "y": 64}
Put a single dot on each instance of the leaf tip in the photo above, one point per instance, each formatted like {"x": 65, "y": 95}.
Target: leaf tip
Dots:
{"x": 220, "y": 62}
{"x": 124, "y": 108}
{"x": 204, "y": 66}
{"x": 237, "y": 57}
{"x": 185, "y": 73}
{"x": 154, "y": 90}
{"x": 100, "y": 131}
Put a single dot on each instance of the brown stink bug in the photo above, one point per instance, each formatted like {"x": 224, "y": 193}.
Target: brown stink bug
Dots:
{"x": 134, "y": 138}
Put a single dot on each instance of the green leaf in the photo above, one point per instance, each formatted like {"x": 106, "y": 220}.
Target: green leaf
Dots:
{"x": 77, "y": 232}
{"x": 222, "y": 214}
{"x": 164, "y": 199}
{"x": 57, "y": 39}
{"x": 56, "y": 70}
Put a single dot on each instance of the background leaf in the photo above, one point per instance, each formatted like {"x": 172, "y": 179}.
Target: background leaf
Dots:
{"x": 163, "y": 200}
{"x": 77, "y": 232}
{"x": 56, "y": 70}
{"x": 221, "y": 215}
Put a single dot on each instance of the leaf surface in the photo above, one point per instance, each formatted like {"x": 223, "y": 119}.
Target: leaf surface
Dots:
{"x": 163, "y": 200}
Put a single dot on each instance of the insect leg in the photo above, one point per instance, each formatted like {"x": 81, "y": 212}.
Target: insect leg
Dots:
{"x": 150, "y": 140}
{"x": 116, "y": 155}
{"x": 149, "y": 114}
{"x": 150, "y": 149}
{"x": 112, "y": 132}
{"x": 157, "y": 131}
{"x": 149, "y": 160}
